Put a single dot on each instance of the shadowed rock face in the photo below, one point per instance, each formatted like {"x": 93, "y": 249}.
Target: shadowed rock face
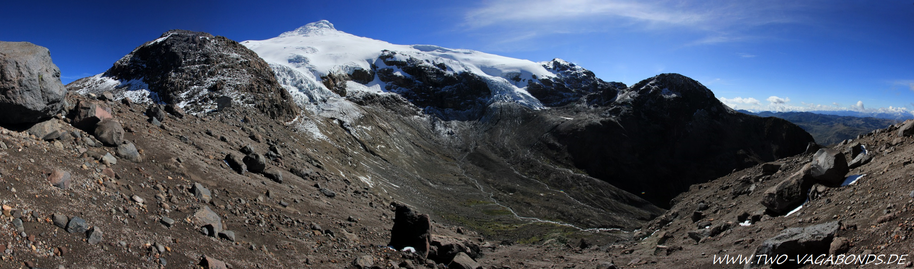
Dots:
{"x": 668, "y": 132}
{"x": 196, "y": 68}
{"x": 451, "y": 96}
{"x": 30, "y": 87}
{"x": 571, "y": 84}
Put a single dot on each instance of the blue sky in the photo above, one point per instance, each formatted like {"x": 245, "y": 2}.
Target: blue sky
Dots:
{"x": 763, "y": 55}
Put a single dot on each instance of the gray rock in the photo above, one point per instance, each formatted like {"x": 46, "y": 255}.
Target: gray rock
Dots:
{"x": 236, "y": 163}
{"x": 829, "y": 167}
{"x": 17, "y": 223}
{"x": 30, "y": 84}
{"x": 788, "y": 194}
{"x": 106, "y": 96}
{"x": 206, "y": 216}
{"x": 301, "y": 172}
{"x": 860, "y": 160}
{"x": 906, "y": 129}
{"x": 175, "y": 110}
{"x": 168, "y": 222}
{"x": 94, "y": 236}
{"x": 60, "y": 220}
{"x": 211, "y": 263}
{"x": 463, "y": 261}
{"x": 256, "y": 163}
{"x": 363, "y": 262}
{"x": 77, "y": 225}
{"x": 227, "y": 235}
{"x": 839, "y": 245}
{"x": 128, "y": 151}
{"x": 201, "y": 193}
{"x": 247, "y": 149}
{"x": 273, "y": 173}
{"x": 328, "y": 192}
{"x": 60, "y": 178}
{"x": 47, "y": 130}
{"x": 109, "y": 132}
{"x": 155, "y": 112}
{"x": 108, "y": 159}
{"x": 813, "y": 240}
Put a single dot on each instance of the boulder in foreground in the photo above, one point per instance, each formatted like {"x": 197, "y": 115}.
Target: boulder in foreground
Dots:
{"x": 30, "y": 87}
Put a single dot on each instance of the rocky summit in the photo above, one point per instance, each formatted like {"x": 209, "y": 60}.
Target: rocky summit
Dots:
{"x": 195, "y": 150}
{"x": 193, "y": 70}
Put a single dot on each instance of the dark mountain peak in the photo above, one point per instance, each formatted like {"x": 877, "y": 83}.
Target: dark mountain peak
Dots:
{"x": 672, "y": 85}
{"x": 673, "y": 94}
{"x": 193, "y": 69}
{"x": 571, "y": 84}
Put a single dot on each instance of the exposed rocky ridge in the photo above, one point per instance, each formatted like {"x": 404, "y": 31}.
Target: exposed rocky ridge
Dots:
{"x": 665, "y": 133}
{"x": 30, "y": 87}
{"x": 571, "y": 84}
{"x": 192, "y": 70}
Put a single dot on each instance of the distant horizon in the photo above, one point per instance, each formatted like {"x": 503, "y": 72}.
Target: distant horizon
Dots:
{"x": 764, "y": 55}
{"x": 844, "y": 113}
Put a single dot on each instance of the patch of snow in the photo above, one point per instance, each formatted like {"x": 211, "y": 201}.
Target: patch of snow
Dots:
{"x": 795, "y": 210}
{"x": 851, "y": 180}
{"x": 367, "y": 180}
{"x": 157, "y": 40}
{"x": 668, "y": 94}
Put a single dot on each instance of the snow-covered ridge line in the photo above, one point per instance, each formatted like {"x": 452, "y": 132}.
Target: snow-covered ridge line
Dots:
{"x": 304, "y": 57}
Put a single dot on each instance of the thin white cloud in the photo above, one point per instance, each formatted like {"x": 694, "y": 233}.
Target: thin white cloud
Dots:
{"x": 777, "y": 100}
{"x": 716, "y": 21}
{"x": 748, "y": 103}
{"x": 740, "y": 100}
{"x": 746, "y": 55}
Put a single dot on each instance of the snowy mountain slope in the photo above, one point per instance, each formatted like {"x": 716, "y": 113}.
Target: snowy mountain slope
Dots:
{"x": 316, "y": 62}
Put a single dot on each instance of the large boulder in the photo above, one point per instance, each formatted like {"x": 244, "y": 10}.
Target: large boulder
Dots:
{"x": 208, "y": 221}
{"x": 30, "y": 87}
{"x": 236, "y": 163}
{"x": 906, "y": 129}
{"x": 109, "y": 132}
{"x": 463, "y": 261}
{"x": 46, "y": 130}
{"x": 88, "y": 114}
{"x": 255, "y": 163}
{"x": 410, "y": 230}
{"x": 811, "y": 240}
{"x": 128, "y": 151}
{"x": 829, "y": 167}
{"x": 790, "y": 193}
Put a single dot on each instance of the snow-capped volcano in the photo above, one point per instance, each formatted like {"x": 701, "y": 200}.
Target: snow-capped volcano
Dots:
{"x": 317, "y": 62}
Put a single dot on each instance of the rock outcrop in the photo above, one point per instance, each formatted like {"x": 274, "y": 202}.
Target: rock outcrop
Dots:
{"x": 193, "y": 70}
{"x": 410, "y": 230}
{"x": 668, "y": 132}
{"x": 30, "y": 87}
{"x": 811, "y": 240}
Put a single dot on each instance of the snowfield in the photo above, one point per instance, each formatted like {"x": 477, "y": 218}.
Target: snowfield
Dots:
{"x": 302, "y": 56}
